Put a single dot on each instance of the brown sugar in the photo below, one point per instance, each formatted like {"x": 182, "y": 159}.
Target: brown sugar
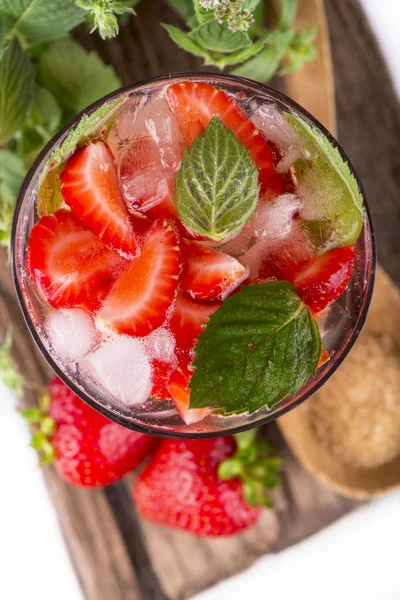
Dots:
{"x": 358, "y": 415}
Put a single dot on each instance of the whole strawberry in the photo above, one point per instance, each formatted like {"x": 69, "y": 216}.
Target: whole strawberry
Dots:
{"x": 88, "y": 450}
{"x": 205, "y": 487}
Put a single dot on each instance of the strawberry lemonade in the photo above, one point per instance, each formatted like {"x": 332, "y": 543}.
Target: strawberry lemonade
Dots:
{"x": 193, "y": 255}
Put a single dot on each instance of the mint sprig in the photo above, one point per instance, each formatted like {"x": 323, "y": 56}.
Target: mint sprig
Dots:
{"x": 216, "y": 188}
{"x": 224, "y": 29}
{"x": 333, "y": 211}
{"x": 91, "y": 126}
{"x": 261, "y": 345}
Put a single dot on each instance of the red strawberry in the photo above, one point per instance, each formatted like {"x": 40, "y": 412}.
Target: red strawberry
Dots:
{"x": 141, "y": 225}
{"x": 145, "y": 179}
{"x": 325, "y": 278}
{"x": 195, "y": 103}
{"x": 181, "y": 486}
{"x": 165, "y": 210}
{"x": 281, "y": 183}
{"x": 69, "y": 264}
{"x": 208, "y": 274}
{"x": 88, "y": 449}
{"x": 187, "y": 322}
{"x": 89, "y": 185}
{"x": 288, "y": 258}
{"x": 161, "y": 372}
{"x": 178, "y": 388}
{"x": 139, "y": 301}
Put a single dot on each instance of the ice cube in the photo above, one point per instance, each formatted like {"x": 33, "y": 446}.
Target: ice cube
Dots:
{"x": 160, "y": 345}
{"x": 273, "y": 220}
{"x": 276, "y": 129}
{"x": 121, "y": 367}
{"x": 149, "y": 146}
{"x": 149, "y": 117}
{"x": 71, "y": 333}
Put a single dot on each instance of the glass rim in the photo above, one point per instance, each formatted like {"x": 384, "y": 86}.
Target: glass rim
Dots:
{"x": 108, "y": 413}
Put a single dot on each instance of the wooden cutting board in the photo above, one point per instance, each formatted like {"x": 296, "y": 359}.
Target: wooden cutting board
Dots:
{"x": 114, "y": 553}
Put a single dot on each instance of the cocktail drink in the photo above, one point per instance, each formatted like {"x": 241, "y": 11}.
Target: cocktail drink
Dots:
{"x": 193, "y": 255}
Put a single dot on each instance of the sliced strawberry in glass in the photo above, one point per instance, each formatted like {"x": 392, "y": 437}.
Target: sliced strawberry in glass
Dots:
{"x": 178, "y": 387}
{"x": 71, "y": 266}
{"x": 325, "y": 278}
{"x": 208, "y": 274}
{"x": 140, "y": 298}
{"x": 90, "y": 187}
{"x": 187, "y": 321}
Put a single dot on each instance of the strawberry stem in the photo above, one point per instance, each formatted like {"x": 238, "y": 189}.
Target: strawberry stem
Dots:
{"x": 42, "y": 427}
{"x": 256, "y": 464}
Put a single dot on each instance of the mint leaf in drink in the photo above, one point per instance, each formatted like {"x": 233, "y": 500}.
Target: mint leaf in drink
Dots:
{"x": 16, "y": 90}
{"x": 37, "y": 21}
{"x": 216, "y": 188}
{"x": 216, "y": 37}
{"x": 333, "y": 209}
{"x": 75, "y": 77}
{"x": 259, "y": 346}
{"x": 91, "y": 126}
{"x": 12, "y": 172}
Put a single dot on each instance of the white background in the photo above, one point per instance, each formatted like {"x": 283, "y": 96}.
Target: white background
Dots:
{"x": 356, "y": 558}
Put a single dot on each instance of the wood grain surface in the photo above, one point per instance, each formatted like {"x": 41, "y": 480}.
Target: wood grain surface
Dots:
{"x": 114, "y": 553}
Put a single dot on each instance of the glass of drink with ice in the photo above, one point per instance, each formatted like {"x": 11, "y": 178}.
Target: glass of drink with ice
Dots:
{"x": 193, "y": 255}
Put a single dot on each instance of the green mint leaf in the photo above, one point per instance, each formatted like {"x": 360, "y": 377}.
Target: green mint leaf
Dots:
{"x": 334, "y": 211}
{"x": 264, "y": 66}
{"x": 8, "y": 373}
{"x": 43, "y": 120}
{"x": 236, "y": 58}
{"x": 216, "y": 188}
{"x": 288, "y": 14}
{"x": 45, "y": 112}
{"x": 183, "y": 41}
{"x": 91, "y": 126}
{"x": 260, "y": 346}
{"x": 12, "y": 172}
{"x": 37, "y": 21}
{"x": 184, "y": 8}
{"x": 5, "y": 27}
{"x": 202, "y": 14}
{"x": 104, "y": 14}
{"x": 16, "y": 90}
{"x": 301, "y": 51}
{"x": 217, "y": 37}
{"x": 76, "y": 78}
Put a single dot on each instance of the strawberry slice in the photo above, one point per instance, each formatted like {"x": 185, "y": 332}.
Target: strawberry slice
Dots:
{"x": 195, "y": 103}
{"x": 89, "y": 185}
{"x": 325, "y": 278}
{"x": 186, "y": 324}
{"x": 165, "y": 210}
{"x": 161, "y": 372}
{"x": 209, "y": 274}
{"x": 69, "y": 264}
{"x": 145, "y": 178}
{"x": 141, "y": 225}
{"x": 281, "y": 183}
{"x": 178, "y": 387}
{"x": 141, "y": 297}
